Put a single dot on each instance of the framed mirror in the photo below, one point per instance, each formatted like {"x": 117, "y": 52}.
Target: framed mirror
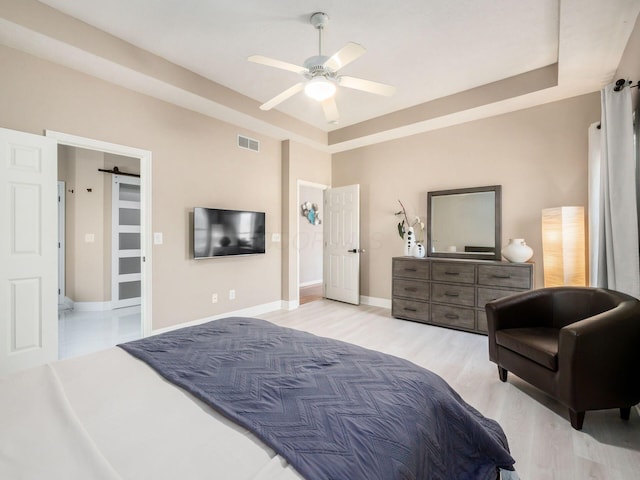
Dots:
{"x": 465, "y": 223}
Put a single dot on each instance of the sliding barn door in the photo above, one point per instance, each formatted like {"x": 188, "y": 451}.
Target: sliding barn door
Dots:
{"x": 126, "y": 278}
{"x": 28, "y": 250}
{"x": 342, "y": 244}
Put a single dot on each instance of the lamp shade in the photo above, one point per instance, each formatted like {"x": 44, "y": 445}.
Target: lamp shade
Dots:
{"x": 563, "y": 249}
{"x": 319, "y": 88}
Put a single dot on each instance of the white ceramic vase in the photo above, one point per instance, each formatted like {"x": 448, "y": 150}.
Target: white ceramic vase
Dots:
{"x": 419, "y": 251}
{"x": 517, "y": 251}
{"x": 409, "y": 242}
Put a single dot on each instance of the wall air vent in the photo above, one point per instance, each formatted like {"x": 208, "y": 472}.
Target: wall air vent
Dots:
{"x": 248, "y": 143}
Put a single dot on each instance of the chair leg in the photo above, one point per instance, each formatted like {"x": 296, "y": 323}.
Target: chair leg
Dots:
{"x": 625, "y": 412}
{"x": 577, "y": 419}
{"x": 502, "y": 372}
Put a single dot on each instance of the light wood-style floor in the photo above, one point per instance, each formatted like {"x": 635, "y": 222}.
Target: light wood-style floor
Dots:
{"x": 540, "y": 436}
{"x": 310, "y": 293}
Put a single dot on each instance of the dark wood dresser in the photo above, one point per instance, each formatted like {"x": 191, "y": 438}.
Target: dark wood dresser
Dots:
{"x": 452, "y": 293}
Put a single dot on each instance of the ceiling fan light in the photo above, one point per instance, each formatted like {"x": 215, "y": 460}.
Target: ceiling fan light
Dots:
{"x": 320, "y": 88}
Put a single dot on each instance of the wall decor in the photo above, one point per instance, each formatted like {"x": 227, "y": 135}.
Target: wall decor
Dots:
{"x": 311, "y": 212}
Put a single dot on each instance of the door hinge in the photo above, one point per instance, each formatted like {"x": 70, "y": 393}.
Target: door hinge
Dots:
{"x": 144, "y": 259}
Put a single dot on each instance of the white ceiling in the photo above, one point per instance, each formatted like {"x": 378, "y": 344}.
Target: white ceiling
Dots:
{"x": 427, "y": 49}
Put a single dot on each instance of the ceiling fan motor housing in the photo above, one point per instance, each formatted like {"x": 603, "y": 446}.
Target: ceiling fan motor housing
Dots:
{"x": 315, "y": 67}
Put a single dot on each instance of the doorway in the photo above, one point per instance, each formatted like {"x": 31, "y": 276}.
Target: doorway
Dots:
{"x": 98, "y": 320}
{"x": 310, "y": 241}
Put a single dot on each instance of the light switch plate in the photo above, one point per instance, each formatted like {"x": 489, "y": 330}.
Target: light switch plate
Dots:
{"x": 275, "y": 237}
{"x": 157, "y": 238}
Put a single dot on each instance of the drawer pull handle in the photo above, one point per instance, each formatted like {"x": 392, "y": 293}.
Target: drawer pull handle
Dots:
{"x": 502, "y": 276}
{"x": 411, "y": 289}
{"x": 451, "y": 316}
{"x": 408, "y": 309}
{"x": 452, "y": 273}
{"x": 451, "y": 294}
{"x": 411, "y": 269}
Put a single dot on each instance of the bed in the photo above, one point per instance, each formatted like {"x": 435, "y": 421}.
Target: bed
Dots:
{"x": 115, "y": 414}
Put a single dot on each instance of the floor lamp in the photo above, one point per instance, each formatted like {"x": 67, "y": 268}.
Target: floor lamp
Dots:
{"x": 563, "y": 246}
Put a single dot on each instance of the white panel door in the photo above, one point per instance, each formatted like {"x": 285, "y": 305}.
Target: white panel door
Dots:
{"x": 28, "y": 250}
{"x": 342, "y": 244}
{"x": 126, "y": 266}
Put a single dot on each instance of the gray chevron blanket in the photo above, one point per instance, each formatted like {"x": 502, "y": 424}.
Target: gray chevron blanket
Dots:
{"x": 333, "y": 410}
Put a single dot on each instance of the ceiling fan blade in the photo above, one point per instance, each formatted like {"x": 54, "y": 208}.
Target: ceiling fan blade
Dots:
{"x": 347, "y": 54}
{"x": 272, "y": 62}
{"x": 289, "y": 92}
{"x": 367, "y": 86}
{"x": 330, "y": 110}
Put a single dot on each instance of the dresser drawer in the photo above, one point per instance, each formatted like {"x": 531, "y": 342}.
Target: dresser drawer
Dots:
{"x": 486, "y": 294}
{"x": 505, "y": 276}
{"x": 411, "y": 269}
{"x": 453, "y": 272}
{"x": 455, "y": 294}
{"x": 411, "y": 289}
{"x": 410, "y": 309}
{"x": 481, "y": 321}
{"x": 453, "y": 316}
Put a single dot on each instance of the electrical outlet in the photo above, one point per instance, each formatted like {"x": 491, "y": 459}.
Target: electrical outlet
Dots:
{"x": 232, "y": 294}
{"x": 214, "y": 298}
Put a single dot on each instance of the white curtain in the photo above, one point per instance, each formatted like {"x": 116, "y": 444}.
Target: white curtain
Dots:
{"x": 613, "y": 197}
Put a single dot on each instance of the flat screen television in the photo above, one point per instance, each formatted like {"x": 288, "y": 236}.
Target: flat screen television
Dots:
{"x": 219, "y": 233}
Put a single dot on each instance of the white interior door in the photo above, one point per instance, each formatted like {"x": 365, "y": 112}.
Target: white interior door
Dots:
{"x": 342, "y": 244}
{"x": 28, "y": 250}
{"x": 126, "y": 265}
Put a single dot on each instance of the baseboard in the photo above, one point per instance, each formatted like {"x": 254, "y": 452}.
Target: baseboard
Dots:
{"x": 290, "y": 305}
{"x": 375, "y": 301}
{"x": 244, "y": 312}
{"x": 92, "y": 306}
{"x": 311, "y": 283}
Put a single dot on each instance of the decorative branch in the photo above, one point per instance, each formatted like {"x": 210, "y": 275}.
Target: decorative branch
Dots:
{"x": 405, "y": 221}
{"x": 402, "y": 223}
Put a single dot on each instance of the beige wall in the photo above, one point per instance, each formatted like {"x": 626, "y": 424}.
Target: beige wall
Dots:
{"x": 195, "y": 163}
{"x": 85, "y": 216}
{"x": 299, "y": 162}
{"x": 538, "y": 155}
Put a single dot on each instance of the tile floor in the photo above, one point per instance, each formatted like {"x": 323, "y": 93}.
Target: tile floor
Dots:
{"x": 80, "y": 333}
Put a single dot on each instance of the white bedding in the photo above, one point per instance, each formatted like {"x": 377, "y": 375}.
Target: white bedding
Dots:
{"x": 108, "y": 416}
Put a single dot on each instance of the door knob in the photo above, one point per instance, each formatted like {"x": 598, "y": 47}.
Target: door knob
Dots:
{"x": 356, "y": 250}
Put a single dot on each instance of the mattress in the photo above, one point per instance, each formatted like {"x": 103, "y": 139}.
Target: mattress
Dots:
{"x": 109, "y": 415}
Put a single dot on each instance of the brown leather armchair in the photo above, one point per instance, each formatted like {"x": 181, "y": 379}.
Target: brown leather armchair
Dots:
{"x": 580, "y": 345}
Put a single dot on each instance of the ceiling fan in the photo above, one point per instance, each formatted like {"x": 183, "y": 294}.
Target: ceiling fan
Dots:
{"x": 321, "y": 74}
